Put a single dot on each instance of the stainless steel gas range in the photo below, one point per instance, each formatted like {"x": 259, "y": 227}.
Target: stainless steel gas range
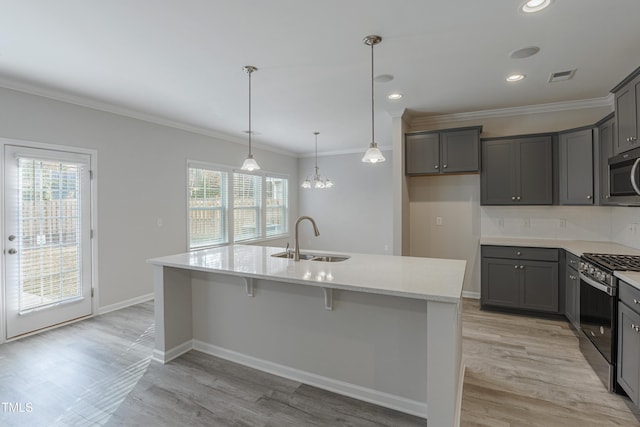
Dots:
{"x": 599, "y": 311}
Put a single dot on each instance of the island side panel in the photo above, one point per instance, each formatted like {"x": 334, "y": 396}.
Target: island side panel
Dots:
{"x": 173, "y": 312}
{"x": 370, "y": 346}
{"x": 444, "y": 362}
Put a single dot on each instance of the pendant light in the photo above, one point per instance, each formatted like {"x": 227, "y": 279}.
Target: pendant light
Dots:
{"x": 250, "y": 163}
{"x": 373, "y": 154}
{"x": 318, "y": 181}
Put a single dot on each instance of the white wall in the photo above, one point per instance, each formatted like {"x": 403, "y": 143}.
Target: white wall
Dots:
{"x": 141, "y": 177}
{"x": 356, "y": 215}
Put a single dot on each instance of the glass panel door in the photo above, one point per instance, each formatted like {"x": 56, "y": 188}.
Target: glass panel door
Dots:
{"x": 47, "y": 246}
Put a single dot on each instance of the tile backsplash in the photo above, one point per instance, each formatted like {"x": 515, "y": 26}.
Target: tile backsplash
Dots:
{"x": 616, "y": 224}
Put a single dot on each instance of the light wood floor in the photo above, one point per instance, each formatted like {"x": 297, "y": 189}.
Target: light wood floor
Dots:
{"x": 521, "y": 371}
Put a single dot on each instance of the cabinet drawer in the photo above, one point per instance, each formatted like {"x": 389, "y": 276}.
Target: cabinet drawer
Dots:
{"x": 573, "y": 261}
{"x": 519, "y": 252}
{"x": 629, "y": 295}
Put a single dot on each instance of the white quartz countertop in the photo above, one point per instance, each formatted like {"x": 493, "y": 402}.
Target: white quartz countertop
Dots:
{"x": 576, "y": 247}
{"x": 631, "y": 277}
{"x": 431, "y": 279}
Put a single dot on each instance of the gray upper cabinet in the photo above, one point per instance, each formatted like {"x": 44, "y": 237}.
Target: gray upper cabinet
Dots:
{"x": 606, "y": 136}
{"x": 422, "y": 154}
{"x": 443, "y": 151}
{"x": 576, "y": 169}
{"x": 517, "y": 171}
{"x": 627, "y": 105}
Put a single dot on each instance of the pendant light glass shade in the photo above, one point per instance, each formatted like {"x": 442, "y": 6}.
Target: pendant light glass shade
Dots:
{"x": 318, "y": 181}
{"x": 373, "y": 154}
{"x": 250, "y": 163}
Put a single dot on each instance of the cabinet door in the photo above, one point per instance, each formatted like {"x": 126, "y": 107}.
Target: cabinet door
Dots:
{"x": 535, "y": 171}
{"x": 499, "y": 181}
{"x": 500, "y": 282}
{"x": 459, "y": 151}
{"x": 627, "y": 116}
{"x": 539, "y": 289}
{"x": 605, "y": 138}
{"x": 576, "y": 168}
{"x": 422, "y": 154}
{"x": 628, "y": 352}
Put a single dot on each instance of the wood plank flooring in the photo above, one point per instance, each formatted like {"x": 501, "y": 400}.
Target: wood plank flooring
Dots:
{"x": 525, "y": 371}
{"x": 521, "y": 371}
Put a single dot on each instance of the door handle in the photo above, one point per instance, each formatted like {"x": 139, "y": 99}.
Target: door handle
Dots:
{"x": 12, "y": 238}
{"x": 633, "y": 176}
{"x": 12, "y": 251}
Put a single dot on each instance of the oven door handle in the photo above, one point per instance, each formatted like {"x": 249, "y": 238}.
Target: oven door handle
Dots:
{"x": 609, "y": 290}
{"x": 633, "y": 176}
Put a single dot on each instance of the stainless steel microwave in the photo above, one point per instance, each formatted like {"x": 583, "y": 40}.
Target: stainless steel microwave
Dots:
{"x": 624, "y": 178}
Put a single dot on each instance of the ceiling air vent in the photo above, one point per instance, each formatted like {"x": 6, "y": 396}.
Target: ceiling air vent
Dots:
{"x": 561, "y": 76}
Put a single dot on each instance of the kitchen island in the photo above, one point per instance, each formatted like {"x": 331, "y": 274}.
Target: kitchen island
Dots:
{"x": 384, "y": 329}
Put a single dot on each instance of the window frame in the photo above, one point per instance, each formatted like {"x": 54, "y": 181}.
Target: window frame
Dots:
{"x": 229, "y": 209}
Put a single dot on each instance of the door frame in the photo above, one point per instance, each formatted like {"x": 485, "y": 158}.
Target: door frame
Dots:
{"x": 93, "y": 185}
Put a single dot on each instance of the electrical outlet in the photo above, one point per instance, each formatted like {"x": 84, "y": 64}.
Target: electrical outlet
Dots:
{"x": 633, "y": 228}
{"x": 159, "y": 222}
{"x": 526, "y": 223}
{"x": 563, "y": 223}
{"x": 438, "y": 220}
{"x": 501, "y": 222}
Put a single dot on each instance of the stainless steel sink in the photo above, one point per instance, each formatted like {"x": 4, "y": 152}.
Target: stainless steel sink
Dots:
{"x": 330, "y": 258}
{"x": 313, "y": 257}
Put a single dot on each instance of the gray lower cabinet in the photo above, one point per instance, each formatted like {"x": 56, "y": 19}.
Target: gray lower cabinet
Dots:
{"x": 517, "y": 171}
{"x": 442, "y": 152}
{"x": 605, "y": 143}
{"x": 628, "y": 369}
{"x": 519, "y": 278}
{"x": 576, "y": 171}
{"x": 572, "y": 290}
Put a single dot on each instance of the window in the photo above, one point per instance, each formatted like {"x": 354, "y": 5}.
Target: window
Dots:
{"x": 247, "y": 201}
{"x": 277, "y": 206}
{"x": 256, "y": 205}
{"x": 207, "y": 209}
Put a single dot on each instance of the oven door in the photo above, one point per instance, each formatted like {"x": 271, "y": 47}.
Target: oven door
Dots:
{"x": 598, "y": 314}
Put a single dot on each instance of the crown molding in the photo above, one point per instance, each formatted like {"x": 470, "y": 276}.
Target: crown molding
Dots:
{"x": 425, "y": 121}
{"x": 94, "y": 104}
{"x": 343, "y": 152}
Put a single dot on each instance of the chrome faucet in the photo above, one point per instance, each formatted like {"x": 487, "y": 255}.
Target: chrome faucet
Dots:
{"x": 296, "y": 255}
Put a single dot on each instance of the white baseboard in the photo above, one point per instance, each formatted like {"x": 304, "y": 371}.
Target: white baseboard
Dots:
{"x": 124, "y": 304}
{"x": 351, "y": 390}
{"x": 167, "y": 356}
{"x": 469, "y": 294}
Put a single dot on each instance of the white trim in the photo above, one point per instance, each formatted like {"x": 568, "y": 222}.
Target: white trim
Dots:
{"x": 463, "y": 368}
{"x": 376, "y": 397}
{"x": 126, "y": 112}
{"x": 174, "y": 353}
{"x": 124, "y": 304}
{"x": 469, "y": 294}
{"x": 419, "y": 122}
{"x": 343, "y": 152}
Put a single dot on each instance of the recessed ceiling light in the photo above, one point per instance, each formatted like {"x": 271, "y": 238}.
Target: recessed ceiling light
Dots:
{"x": 535, "y": 5}
{"x": 394, "y": 96}
{"x": 524, "y": 52}
{"x": 383, "y": 78}
{"x": 515, "y": 77}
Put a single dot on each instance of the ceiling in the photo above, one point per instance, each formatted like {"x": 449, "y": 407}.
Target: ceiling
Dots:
{"x": 180, "y": 61}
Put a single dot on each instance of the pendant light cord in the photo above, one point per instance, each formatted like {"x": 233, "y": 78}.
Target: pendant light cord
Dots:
{"x": 373, "y": 141}
{"x": 249, "y": 72}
